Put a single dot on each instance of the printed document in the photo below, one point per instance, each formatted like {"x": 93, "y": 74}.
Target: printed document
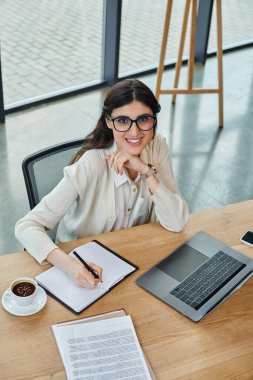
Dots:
{"x": 102, "y": 350}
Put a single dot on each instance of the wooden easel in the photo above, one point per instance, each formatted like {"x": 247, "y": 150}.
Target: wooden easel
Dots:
{"x": 190, "y": 89}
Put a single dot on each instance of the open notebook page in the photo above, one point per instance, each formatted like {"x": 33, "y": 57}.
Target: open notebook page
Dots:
{"x": 60, "y": 285}
{"x": 114, "y": 268}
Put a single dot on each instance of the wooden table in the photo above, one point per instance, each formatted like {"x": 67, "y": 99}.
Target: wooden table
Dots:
{"x": 219, "y": 347}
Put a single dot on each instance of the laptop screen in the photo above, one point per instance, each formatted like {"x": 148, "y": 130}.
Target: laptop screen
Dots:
{"x": 182, "y": 262}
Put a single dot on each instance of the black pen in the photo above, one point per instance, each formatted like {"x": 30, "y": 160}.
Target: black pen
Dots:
{"x": 86, "y": 265}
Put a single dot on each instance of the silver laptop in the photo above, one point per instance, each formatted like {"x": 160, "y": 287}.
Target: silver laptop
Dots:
{"x": 198, "y": 276}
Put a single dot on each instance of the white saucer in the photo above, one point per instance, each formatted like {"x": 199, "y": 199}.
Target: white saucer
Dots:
{"x": 12, "y": 307}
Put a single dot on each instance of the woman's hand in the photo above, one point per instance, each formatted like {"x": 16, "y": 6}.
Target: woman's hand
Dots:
{"x": 82, "y": 277}
{"x": 75, "y": 269}
{"x": 121, "y": 159}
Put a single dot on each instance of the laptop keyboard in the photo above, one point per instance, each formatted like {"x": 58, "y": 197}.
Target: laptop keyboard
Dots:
{"x": 207, "y": 280}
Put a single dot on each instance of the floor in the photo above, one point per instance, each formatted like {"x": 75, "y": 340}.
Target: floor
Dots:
{"x": 213, "y": 166}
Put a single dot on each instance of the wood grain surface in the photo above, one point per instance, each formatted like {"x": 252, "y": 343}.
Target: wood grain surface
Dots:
{"x": 219, "y": 347}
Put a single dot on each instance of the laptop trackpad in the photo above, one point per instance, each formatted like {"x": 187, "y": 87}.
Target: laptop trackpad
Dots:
{"x": 166, "y": 275}
{"x": 182, "y": 262}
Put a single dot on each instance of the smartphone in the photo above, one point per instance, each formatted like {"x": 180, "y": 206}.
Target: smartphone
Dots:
{"x": 247, "y": 238}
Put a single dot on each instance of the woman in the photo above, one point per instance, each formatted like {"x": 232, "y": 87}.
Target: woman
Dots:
{"x": 121, "y": 177}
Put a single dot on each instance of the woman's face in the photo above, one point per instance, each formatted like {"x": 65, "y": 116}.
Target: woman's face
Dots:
{"x": 134, "y": 140}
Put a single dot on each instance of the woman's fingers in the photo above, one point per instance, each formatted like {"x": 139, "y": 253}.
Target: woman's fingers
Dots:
{"x": 87, "y": 283}
{"x": 112, "y": 159}
{"x": 121, "y": 158}
{"x": 97, "y": 269}
{"x": 80, "y": 274}
{"x": 83, "y": 277}
{"x": 88, "y": 279}
{"x": 118, "y": 163}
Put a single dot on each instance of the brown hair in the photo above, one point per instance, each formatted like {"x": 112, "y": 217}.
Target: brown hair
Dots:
{"x": 121, "y": 93}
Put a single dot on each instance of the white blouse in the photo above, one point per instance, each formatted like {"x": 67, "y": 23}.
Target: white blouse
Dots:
{"x": 132, "y": 202}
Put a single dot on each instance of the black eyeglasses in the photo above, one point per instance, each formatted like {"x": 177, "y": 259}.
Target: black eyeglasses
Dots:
{"x": 124, "y": 123}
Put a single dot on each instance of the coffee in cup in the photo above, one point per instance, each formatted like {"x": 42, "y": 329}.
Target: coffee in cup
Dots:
{"x": 24, "y": 290}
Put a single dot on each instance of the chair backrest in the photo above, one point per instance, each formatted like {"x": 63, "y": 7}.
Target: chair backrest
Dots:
{"x": 44, "y": 169}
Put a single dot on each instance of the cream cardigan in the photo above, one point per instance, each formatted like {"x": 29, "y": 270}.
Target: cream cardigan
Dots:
{"x": 83, "y": 202}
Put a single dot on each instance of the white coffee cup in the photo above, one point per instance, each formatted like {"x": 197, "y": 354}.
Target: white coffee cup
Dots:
{"x": 24, "y": 290}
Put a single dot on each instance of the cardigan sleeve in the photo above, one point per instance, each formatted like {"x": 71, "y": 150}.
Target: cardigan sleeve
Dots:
{"x": 171, "y": 209}
{"x": 31, "y": 229}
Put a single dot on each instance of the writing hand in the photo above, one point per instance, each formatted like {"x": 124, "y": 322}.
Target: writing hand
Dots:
{"x": 75, "y": 269}
{"x": 82, "y": 276}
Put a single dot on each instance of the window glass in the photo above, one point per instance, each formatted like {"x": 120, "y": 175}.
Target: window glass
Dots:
{"x": 47, "y": 46}
{"x": 142, "y": 29}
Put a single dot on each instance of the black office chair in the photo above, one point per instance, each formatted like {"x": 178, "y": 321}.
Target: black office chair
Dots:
{"x": 44, "y": 169}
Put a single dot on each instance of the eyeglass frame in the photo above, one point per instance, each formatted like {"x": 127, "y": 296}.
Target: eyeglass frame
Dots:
{"x": 133, "y": 121}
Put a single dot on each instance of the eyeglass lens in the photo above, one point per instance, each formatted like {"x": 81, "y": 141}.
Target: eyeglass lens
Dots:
{"x": 124, "y": 123}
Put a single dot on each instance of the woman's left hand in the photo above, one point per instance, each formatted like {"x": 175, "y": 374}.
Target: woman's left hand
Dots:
{"x": 121, "y": 159}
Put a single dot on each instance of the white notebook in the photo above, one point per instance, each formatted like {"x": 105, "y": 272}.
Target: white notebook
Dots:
{"x": 59, "y": 285}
